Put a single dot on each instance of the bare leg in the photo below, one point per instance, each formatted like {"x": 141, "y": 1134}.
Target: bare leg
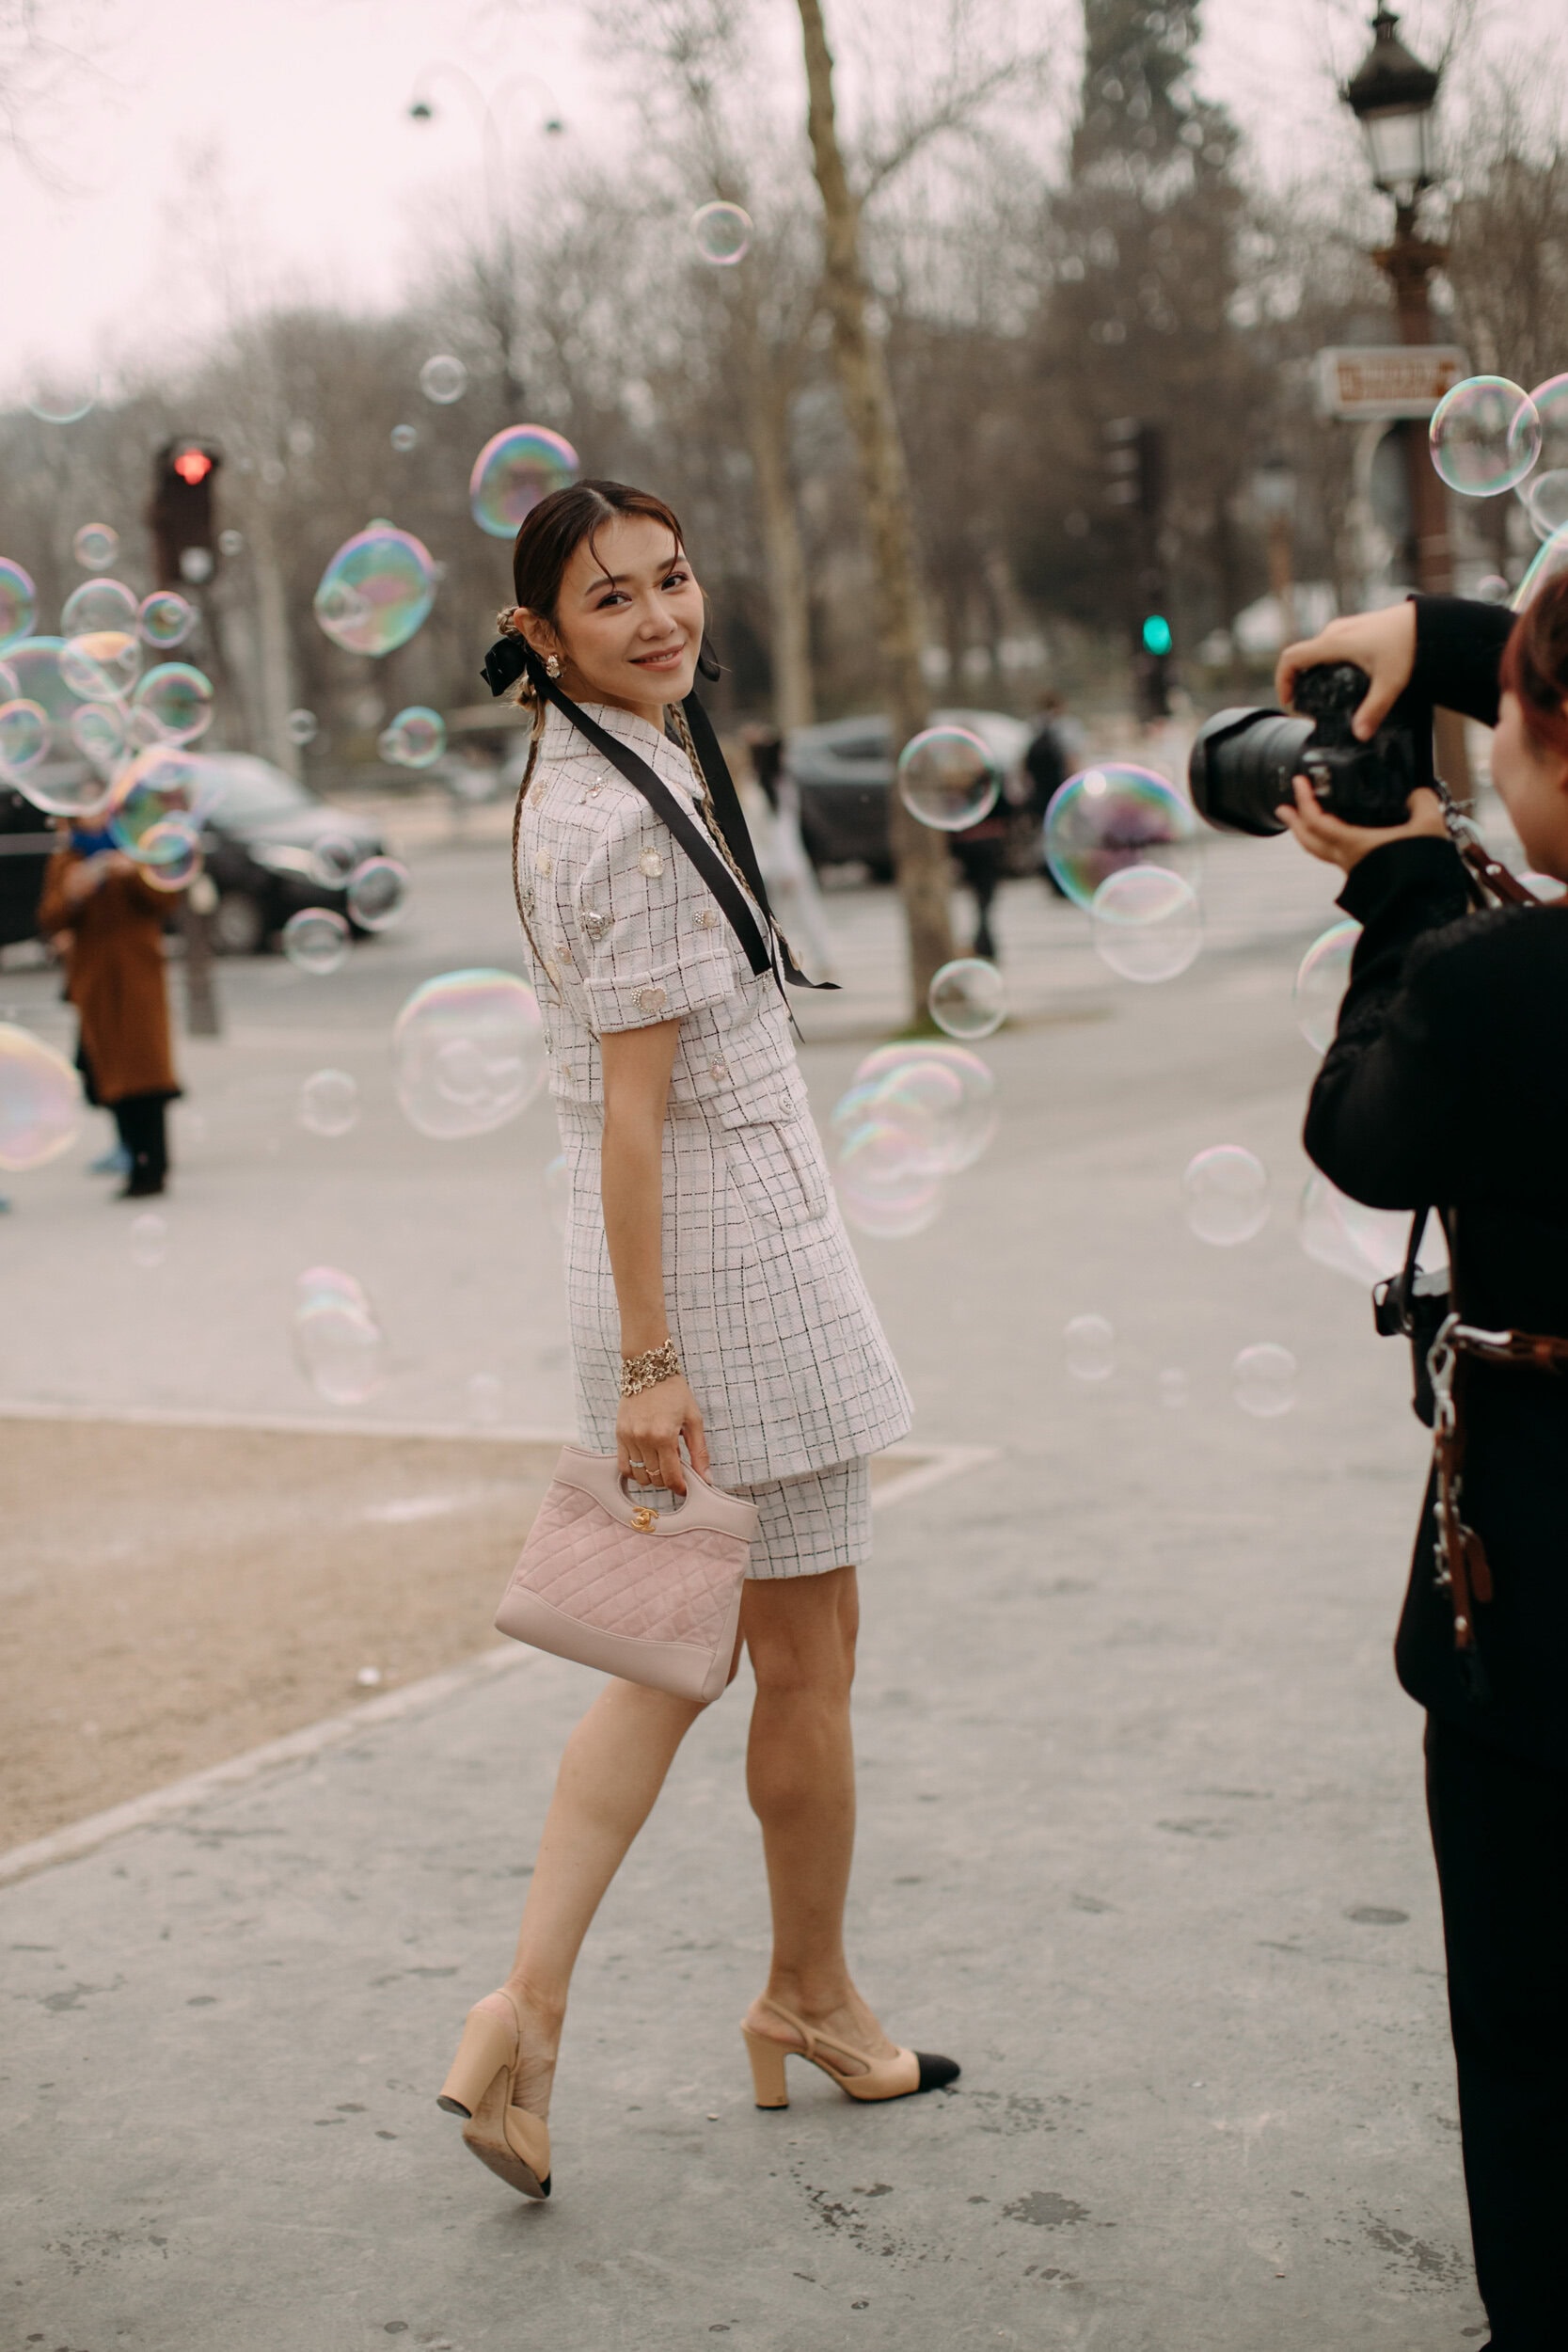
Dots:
{"x": 801, "y": 1778}
{"x": 612, "y": 1770}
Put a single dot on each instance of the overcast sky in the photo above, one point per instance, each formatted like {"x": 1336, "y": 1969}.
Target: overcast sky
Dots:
{"x": 112, "y": 228}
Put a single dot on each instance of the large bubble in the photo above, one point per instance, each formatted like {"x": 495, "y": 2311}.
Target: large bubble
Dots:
{"x": 951, "y": 1089}
{"x": 467, "y": 1053}
{"x": 376, "y": 591}
{"x": 64, "y": 398}
{"x": 1485, "y": 436}
{"x": 722, "y": 233}
{"x": 24, "y": 738}
{"x": 40, "y": 1101}
{"x": 1322, "y": 981}
{"x": 339, "y": 1343}
{"x": 165, "y": 619}
{"x": 99, "y": 604}
{"x": 1265, "y": 1380}
{"x": 1551, "y": 561}
{"x": 58, "y": 783}
{"x": 1362, "y": 1244}
{"x": 948, "y": 778}
{"x": 95, "y": 547}
{"x": 18, "y": 603}
{"x": 967, "y": 999}
{"x": 98, "y": 731}
{"x": 161, "y": 784}
{"x": 886, "y": 1188}
{"x": 1148, "y": 923}
{"x": 514, "y": 471}
{"x": 376, "y": 893}
{"x": 173, "y": 703}
{"x": 1112, "y": 816}
{"x": 415, "y": 737}
{"x": 316, "y": 940}
{"x": 1225, "y": 1190}
{"x": 170, "y": 853}
{"x": 1545, "y": 499}
{"x": 443, "y": 379}
{"x": 102, "y": 665}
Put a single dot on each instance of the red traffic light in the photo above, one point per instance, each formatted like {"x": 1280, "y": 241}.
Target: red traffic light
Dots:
{"x": 192, "y": 466}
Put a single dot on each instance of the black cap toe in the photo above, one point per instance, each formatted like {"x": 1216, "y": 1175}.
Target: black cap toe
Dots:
{"x": 937, "y": 2073}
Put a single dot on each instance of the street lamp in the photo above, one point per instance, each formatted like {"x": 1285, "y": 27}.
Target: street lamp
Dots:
{"x": 1392, "y": 96}
{"x": 1274, "y": 494}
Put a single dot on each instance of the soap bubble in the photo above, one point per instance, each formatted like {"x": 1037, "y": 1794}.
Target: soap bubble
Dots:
{"x": 95, "y": 547}
{"x": 23, "y": 737}
{"x": 1321, "y": 982}
{"x": 1148, "y": 923}
{"x": 467, "y": 1053}
{"x": 230, "y": 543}
{"x": 1362, "y": 1244}
{"x": 102, "y": 665}
{"x": 99, "y": 604}
{"x": 175, "y": 701}
{"x": 40, "y": 1101}
{"x": 944, "y": 1095}
{"x": 333, "y": 859}
{"x": 948, "y": 778}
{"x": 1172, "y": 1387}
{"x": 149, "y": 1239}
{"x": 403, "y": 437}
{"x": 442, "y": 379}
{"x": 170, "y": 853}
{"x": 165, "y": 619}
{"x": 339, "y": 1343}
{"x": 558, "y": 1192}
{"x": 1485, "y": 436}
{"x": 18, "y": 603}
{"x": 1265, "y": 1380}
{"x": 329, "y": 1103}
{"x": 98, "y": 731}
{"x": 58, "y": 783}
{"x": 1549, "y": 563}
{"x": 302, "y": 727}
{"x": 196, "y": 564}
{"x": 1088, "y": 1348}
{"x": 1550, "y": 403}
{"x": 415, "y": 737}
{"x": 159, "y": 785}
{"x": 63, "y": 399}
{"x": 376, "y": 591}
{"x": 376, "y": 893}
{"x": 966, "y": 998}
{"x": 316, "y": 940}
{"x": 1112, "y": 816}
{"x": 885, "y": 1186}
{"x": 1492, "y": 589}
{"x": 1227, "y": 1192}
{"x": 1546, "y": 500}
{"x": 722, "y": 233}
{"x": 514, "y": 471}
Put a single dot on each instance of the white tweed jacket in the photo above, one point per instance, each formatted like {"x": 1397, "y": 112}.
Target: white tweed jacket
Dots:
{"x": 767, "y": 1304}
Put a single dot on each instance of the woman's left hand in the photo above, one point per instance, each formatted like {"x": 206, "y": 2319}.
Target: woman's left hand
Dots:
{"x": 1344, "y": 845}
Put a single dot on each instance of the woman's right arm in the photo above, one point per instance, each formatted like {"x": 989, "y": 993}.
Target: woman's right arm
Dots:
{"x": 1446, "y": 647}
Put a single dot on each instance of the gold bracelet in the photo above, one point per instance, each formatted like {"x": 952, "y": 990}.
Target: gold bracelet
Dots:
{"x": 647, "y": 1370}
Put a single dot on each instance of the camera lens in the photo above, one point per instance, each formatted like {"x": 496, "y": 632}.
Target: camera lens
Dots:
{"x": 1241, "y": 765}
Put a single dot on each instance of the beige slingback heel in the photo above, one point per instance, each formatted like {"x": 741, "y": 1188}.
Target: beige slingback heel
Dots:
{"x": 512, "y": 2142}
{"x": 862, "y": 2077}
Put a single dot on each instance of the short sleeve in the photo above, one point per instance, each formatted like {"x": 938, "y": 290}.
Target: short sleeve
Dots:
{"x": 657, "y": 943}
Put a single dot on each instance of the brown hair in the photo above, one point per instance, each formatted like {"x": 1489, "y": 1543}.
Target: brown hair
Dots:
{"x": 1535, "y": 665}
{"x": 556, "y": 527}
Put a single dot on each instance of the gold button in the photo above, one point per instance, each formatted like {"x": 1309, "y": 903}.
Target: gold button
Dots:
{"x": 652, "y": 999}
{"x": 706, "y": 920}
{"x": 652, "y": 863}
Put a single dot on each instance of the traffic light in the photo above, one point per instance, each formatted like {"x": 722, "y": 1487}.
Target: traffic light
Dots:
{"x": 185, "y": 536}
{"x": 1156, "y": 634}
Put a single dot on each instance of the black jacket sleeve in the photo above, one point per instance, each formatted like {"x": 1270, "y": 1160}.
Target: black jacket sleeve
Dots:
{"x": 1459, "y": 647}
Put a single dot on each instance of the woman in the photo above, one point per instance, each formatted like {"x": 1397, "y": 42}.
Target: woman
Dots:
{"x": 1443, "y": 1086}
{"x": 115, "y": 977}
{"x": 713, "y": 1300}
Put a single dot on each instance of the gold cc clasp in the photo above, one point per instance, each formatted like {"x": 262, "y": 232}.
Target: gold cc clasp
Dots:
{"x": 643, "y": 1516}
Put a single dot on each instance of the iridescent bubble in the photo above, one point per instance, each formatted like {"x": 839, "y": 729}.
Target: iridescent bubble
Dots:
{"x": 18, "y": 603}
{"x": 160, "y": 783}
{"x": 40, "y": 1101}
{"x": 170, "y": 855}
{"x": 10, "y": 685}
{"x": 64, "y": 399}
{"x": 176, "y": 701}
{"x": 1322, "y": 981}
{"x": 1172, "y": 1387}
{"x": 514, "y": 471}
{"x": 165, "y": 619}
{"x": 467, "y": 1053}
{"x": 98, "y": 731}
{"x": 102, "y": 665}
{"x": 885, "y": 1186}
{"x": 558, "y": 1192}
{"x": 721, "y": 233}
{"x": 376, "y": 591}
{"x": 1485, "y": 436}
{"x": 376, "y": 893}
{"x": 442, "y": 379}
{"x": 914, "y": 1087}
{"x": 1546, "y": 500}
{"x": 404, "y": 436}
{"x": 58, "y": 783}
{"x": 948, "y": 778}
{"x": 1551, "y": 561}
{"x": 339, "y": 1343}
{"x": 1148, "y": 923}
{"x": 196, "y": 564}
{"x": 1112, "y": 816}
{"x": 1265, "y": 1380}
{"x": 95, "y": 547}
{"x": 316, "y": 940}
{"x": 99, "y": 604}
{"x": 329, "y": 1103}
{"x": 149, "y": 1239}
{"x": 23, "y": 737}
{"x": 1550, "y": 403}
{"x": 415, "y": 737}
{"x": 1362, "y": 1244}
{"x": 333, "y": 859}
{"x": 966, "y": 998}
{"x": 1090, "y": 1347}
{"x": 302, "y": 727}
{"x": 1227, "y": 1194}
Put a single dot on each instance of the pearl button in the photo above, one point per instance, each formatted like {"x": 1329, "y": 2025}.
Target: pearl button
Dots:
{"x": 706, "y": 920}
{"x": 652, "y": 863}
{"x": 652, "y": 999}
{"x": 542, "y": 864}
{"x": 720, "y": 1069}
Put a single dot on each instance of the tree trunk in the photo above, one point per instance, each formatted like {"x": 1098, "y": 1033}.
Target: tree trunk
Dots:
{"x": 920, "y": 854}
{"x": 783, "y": 556}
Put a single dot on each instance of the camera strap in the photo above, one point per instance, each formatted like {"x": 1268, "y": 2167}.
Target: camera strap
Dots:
{"x": 1488, "y": 875}
{"x": 1459, "y": 1554}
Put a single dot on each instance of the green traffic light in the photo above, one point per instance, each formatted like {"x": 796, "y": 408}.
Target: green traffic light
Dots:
{"x": 1156, "y": 634}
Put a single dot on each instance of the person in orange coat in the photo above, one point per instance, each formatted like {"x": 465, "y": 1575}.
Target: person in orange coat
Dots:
{"x": 114, "y": 979}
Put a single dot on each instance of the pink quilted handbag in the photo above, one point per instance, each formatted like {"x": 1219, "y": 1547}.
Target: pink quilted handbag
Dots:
{"x": 651, "y": 1595}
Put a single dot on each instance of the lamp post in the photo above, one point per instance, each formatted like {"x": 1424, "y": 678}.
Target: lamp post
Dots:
{"x": 1274, "y": 494}
{"x": 1392, "y": 95}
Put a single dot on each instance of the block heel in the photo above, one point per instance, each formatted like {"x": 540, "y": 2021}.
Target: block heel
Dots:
{"x": 768, "y": 2070}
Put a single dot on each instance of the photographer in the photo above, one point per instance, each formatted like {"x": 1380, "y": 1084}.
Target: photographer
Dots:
{"x": 1444, "y": 1085}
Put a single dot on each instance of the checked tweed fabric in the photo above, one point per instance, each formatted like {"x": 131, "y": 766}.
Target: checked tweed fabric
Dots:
{"x": 767, "y": 1306}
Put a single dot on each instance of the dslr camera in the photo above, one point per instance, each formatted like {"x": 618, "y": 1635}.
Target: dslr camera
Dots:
{"x": 1242, "y": 761}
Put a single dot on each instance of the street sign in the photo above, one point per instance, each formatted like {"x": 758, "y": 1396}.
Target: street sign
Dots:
{"x": 1371, "y": 380}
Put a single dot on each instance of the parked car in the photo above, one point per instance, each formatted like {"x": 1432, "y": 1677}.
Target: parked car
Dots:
{"x": 25, "y": 843}
{"x": 844, "y": 770}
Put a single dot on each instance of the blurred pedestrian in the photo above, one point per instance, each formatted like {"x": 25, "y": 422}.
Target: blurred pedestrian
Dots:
{"x": 115, "y": 977}
{"x": 782, "y": 853}
{"x": 1055, "y": 753}
{"x": 981, "y": 850}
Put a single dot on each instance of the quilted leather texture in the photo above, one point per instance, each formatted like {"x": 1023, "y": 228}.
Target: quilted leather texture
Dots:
{"x": 674, "y": 1587}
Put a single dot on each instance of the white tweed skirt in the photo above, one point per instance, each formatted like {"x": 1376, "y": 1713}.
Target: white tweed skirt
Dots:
{"x": 811, "y": 1524}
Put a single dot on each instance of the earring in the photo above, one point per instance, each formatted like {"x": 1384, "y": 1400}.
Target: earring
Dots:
{"x": 552, "y": 665}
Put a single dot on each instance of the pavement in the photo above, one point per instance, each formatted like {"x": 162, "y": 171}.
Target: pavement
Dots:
{"x": 1141, "y": 1838}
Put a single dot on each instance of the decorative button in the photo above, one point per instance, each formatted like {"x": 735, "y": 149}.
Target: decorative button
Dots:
{"x": 652, "y": 999}
{"x": 595, "y": 925}
{"x": 565, "y": 953}
{"x": 542, "y": 862}
{"x": 526, "y": 896}
{"x": 720, "y": 1069}
{"x": 652, "y": 863}
{"x": 706, "y": 920}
